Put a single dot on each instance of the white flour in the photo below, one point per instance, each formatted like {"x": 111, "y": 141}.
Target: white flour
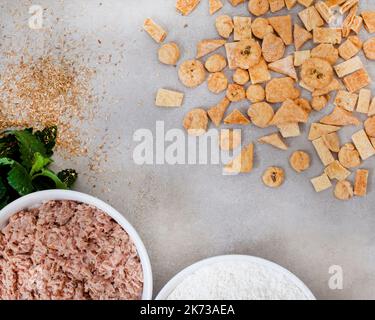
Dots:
{"x": 237, "y": 281}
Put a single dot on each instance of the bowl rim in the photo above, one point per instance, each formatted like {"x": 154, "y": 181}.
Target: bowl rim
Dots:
{"x": 182, "y": 275}
{"x": 38, "y": 197}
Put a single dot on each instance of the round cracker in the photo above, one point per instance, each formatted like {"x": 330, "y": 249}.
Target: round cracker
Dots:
{"x": 344, "y": 190}
{"x": 241, "y": 76}
{"x": 215, "y": 63}
{"x": 317, "y": 73}
{"x": 247, "y": 53}
{"x": 273, "y": 177}
{"x": 192, "y": 73}
{"x": 273, "y": 47}
{"x": 261, "y": 114}
{"x": 369, "y": 49}
{"x": 217, "y": 82}
{"x": 255, "y": 93}
{"x": 260, "y": 27}
{"x": 258, "y": 7}
{"x": 349, "y": 156}
{"x": 235, "y": 92}
{"x": 224, "y": 26}
{"x": 196, "y": 122}
{"x": 169, "y": 53}
{"x": 300, "y": 161}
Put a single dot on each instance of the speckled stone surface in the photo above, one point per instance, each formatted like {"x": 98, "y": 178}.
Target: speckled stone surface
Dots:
{"x": 186, "y": 213}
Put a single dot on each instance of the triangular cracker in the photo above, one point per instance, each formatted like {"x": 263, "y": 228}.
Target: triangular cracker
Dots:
{"x": 340, "y": 117}
{"x": 186, "y": 6}
{"x": 215, "y": 5}
{"x": 301, "y": 36}
{"x": 290, "y": 3}
{"x": 243, "y": 163}
{"x": 289, "y": 130}
{"x": 332, "y": 141}
{"x": 289, "y": 112}
{"x": 284, "y": 66}
{"x": 236, "y": 117}
{"x": 216, "y": 113}
{"x": 205, "y": 47}
{"x": 318, "y": 130}
{"x": 274, "y": 140}
{"x": 333, "y": 86}
{"x": 283, "y": 27}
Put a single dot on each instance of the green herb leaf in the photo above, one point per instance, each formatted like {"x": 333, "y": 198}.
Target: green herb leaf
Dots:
{"x": 39, "y": 163}
{"x": 68, "y": 177}
{"x": 48, "y": 137}
{"x": 6, "y": 162}
{"x": 49, "y": 174}
{"x": 24, "y": 160}
{"x": 20, "y": 180}
{"x": 29, "y": 144}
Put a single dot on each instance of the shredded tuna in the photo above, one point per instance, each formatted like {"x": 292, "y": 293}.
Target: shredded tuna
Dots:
{"x": 67, "y": 250}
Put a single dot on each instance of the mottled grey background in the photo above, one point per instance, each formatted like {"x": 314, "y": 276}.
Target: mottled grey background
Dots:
{"x": 187, "y": 213}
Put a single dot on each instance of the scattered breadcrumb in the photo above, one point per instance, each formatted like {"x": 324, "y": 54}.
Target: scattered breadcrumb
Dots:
{"x": 51, "y": 91}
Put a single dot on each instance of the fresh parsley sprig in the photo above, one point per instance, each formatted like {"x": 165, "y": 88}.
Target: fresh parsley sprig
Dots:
{"x": 25, "y": 157}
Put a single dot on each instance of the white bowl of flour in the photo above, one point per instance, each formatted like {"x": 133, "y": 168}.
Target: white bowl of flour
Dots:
{"x": 235, "y": 277}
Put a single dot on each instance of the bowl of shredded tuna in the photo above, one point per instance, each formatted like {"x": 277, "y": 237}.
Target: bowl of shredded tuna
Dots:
{"x": 66, "y": 245}
{"x": 235, "y": 277}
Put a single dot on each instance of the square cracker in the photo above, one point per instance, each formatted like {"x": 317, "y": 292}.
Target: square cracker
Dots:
{"x": 324, "y": 153}
{"x": 169, "y": 98}
{"x": 364, "y": 100}
{"x": 363, "y": 144}
{"x": 327, "y": 35}
{"x": 357, "y": 80}
{"x": 155, "y": 31}
{"x": 260, "y": 73}
{"x": 361, "y": 181}
{"x": 242, "y": 28}
{"x": 348, "y": 66}
{"x": 346, "y": 100}
{"x": 321, "y": 183}
{"x": 276, "y": 5}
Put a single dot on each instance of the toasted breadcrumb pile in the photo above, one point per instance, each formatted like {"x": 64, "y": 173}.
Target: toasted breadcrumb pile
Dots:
{"x": 43, "y": 92}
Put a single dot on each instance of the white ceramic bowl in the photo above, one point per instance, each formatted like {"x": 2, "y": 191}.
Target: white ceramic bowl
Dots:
{"x": 176, "y": 280}
{"x": 35, "y": 199}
